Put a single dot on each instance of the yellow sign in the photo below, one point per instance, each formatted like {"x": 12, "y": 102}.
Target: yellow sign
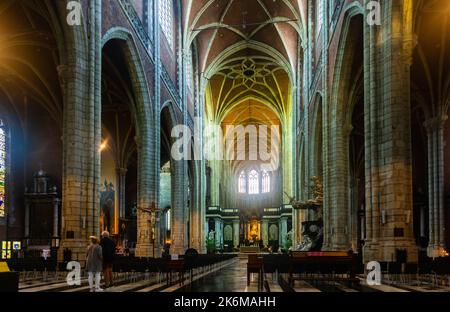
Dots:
{"x": 6, "y": 245}
{"x": 4, "y": 267}
{"x": 6, "y": 250}
{"x": 6, "y": 254}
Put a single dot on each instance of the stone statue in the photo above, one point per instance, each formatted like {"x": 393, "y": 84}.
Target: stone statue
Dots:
{"x": 305, "y": 245}
{"x": 211, "y": 235}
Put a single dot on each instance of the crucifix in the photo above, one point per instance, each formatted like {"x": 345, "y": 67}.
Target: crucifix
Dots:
{"x": 153, "y": 219}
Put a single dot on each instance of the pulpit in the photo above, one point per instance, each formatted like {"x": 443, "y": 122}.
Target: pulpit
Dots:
{"x": 42, "y": 210}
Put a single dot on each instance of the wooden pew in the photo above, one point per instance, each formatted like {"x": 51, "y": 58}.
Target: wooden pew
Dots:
{"x": 322, "y": 266}
{"x": 254, "y": 265}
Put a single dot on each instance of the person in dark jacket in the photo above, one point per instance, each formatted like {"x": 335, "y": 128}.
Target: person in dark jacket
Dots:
{"x": 109, "y": 250}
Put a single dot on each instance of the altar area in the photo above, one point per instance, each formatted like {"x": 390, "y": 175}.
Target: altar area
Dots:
{"x": 246, "y": 231}
{"x": 249, "y": 249}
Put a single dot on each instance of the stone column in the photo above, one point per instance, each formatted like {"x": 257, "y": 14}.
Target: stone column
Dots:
{"x": 197, "y": 230}
{"x": 283, "y": 231}
{"x": 390, "y": 215}
{"x": 236, "y": 233}
{"x": 80, "y": 79}
{"x": 121, "y": 177}
{"x": 202, "y": 208}
{"x": 56, "y": 218}
{"x": 221, "y": 233}
{"x": 436, "y": 198}
{"x": 147, "y": 225}
{"x": 327, "y": 135}
{"x": 179, "y": 219}
{"x": 218, "y": 232}
{"x": 371, "y": 107}
{"x": 284, "y": 160}
{"x": 162, "y": 228}
{"x": 265, "y": 232}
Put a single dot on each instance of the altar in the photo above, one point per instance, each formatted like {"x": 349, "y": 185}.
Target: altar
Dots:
{"x": 249, "y": 249}
{"x": 249, "y": 231}
{"x": 253, "y": 231}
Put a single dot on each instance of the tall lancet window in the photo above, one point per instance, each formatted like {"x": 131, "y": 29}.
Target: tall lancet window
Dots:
{"x": 253, "y": 182}
{"x": 265, "y": 182}
{"x": 3, "y": 153}
{"x": 166, "y": 19}
{"x": 242, "y": 183}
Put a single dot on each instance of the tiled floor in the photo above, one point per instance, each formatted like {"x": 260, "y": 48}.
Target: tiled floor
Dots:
{"x": 232, "y": 278}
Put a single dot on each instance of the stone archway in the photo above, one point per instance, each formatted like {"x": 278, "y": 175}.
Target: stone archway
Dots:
{"x": 348, "y": 68}
{"x": 142, "y": 118}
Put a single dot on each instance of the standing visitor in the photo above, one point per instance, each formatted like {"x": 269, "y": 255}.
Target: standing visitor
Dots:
{"x": 109, "y": 250}
{"x": 94, "y": 264}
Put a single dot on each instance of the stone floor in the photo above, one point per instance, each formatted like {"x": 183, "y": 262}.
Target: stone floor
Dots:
{"x": 233, "y": 278}
{"x": 230, "y": 276}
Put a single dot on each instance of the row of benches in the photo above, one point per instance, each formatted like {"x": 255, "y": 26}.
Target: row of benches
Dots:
{"x": 186, "y": 263}
{"x": 39, "y": 267}
{"x": 121, "y": 264}
{"x": 305, "y": 266}
{"x": 338, "y": 266}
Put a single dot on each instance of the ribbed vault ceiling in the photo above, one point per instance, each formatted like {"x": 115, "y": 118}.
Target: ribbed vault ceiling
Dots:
{"x": 248, "y": 57}
{"x": 247, "y": 50}
{"x": 220, "y": 24}
{"x": 248, "y": 77}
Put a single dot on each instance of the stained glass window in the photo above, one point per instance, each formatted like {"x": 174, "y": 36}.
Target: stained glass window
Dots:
{"x": 253, "y": 182}
{"x": 3, "y": 152}
{"x": 166, "y": 19}
{"x": 265, "y": 182}
{"x": 242, "y": 185}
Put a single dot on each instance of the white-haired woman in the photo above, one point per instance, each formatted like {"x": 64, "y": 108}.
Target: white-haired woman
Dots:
{"x": 94, "y": 261}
